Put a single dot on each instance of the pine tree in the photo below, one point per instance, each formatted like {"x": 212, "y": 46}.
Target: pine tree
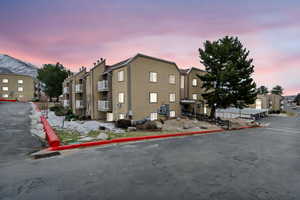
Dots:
{"x": 228, "y": 79}
{"x": 277, "y": 90}
{"x": 262, "y": 90}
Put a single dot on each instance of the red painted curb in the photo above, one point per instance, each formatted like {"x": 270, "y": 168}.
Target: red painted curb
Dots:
{"x": 129, "y": 139}
{"x": 8, "y": 100}
{"x": 51, "y": 137}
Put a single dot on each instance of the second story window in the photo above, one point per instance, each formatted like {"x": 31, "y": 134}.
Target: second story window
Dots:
{"x": 172, "y": 79}
{"x": 172, "y": 97}
{"x": 5, "y": 95}
{"x": 153, "y": 77}
{"x": 194, "y": 96}
{"x": 5, "y": 80}
{"x": 121, "y": 76}
{"x": 182, "y": 82}
{"x": 194, "y": 83}
{"x": 20, "y": 81}
{"x": 153, "y": 97}
{"x": 121, "y": 98}
{"x": 20, "y": 89}
{"x": 5, "y": 88}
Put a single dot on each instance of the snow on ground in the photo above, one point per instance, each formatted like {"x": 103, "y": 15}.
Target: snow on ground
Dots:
{"x": 36, "y": 125}
{"x": 83, "y": 127}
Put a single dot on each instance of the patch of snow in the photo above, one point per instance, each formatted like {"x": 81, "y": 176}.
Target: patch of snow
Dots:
{"x": 36, "y": 125}
{"x": 83, "y": 127}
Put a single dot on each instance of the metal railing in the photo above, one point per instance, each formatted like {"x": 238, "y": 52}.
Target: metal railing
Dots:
{"x": 78, "y": 88}
{"x": 79, "y": 104}
{"x": 104, "y": 105}
{"x": 103, "y": 86}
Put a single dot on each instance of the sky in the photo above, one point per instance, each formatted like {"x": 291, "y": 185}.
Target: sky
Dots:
{"x": 78, "y": 32}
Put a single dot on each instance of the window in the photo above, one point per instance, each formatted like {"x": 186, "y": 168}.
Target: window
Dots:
{"x": 194, "y": 83}
{"x": 153, "y": 97}
{"x": 153, "y": 77}
{"x": 205, "y": 109}
{"x": 5, "y": 88}
{"x": 172, "y": 113}
{"x": 153, "y": 116}
{"x": 194, "y": 96}
{"x": 20, "y": 89}
{"x": 172, "y": 97}
{"x": 121, "y": 97}
{"x": 172, "y": 79}
{"x": 21, "y": 95}
{"x": 5, "y": 95}
{"x": 5, "y": 80}
{"x": 121, "y": 116}
{"x": 121, "y": 75}
{"x": 182, "y": 82}
{"x": 20, "y": 81}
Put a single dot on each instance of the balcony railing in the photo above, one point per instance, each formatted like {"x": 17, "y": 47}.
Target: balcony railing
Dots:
{"x": 78, "y": 88}
{"x": 104, "y": 105}
{"x": 79, "y": 104}
{"x": 103, "y": 85}
{"x": 66, "y": 103}
{"x": 66, "y": 90}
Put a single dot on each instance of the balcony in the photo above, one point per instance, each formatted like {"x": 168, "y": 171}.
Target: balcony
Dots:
{"x": 66, "y": 90}
{"x": 66, "y": 103}
{"x": 104, "y": 105}
{"x": 78, "y": 88}
{"x": 79, "y": 104}
{"x": 103, "y": 86}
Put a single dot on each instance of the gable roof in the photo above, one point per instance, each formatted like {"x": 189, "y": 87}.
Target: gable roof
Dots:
{"x": 129, "y": 60}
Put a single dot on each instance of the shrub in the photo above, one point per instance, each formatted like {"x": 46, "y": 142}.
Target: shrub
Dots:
{"x": 123, "y": 123}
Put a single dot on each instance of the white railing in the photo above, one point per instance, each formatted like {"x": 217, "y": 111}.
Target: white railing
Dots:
{"x": 79, "y": 104}
{"x": 66, "y": 90}
{"x": 103, "y": 105}
{"x": 102, "y": 85}
{"x": 78, "y": 88}
{"x": 66, "y": 103}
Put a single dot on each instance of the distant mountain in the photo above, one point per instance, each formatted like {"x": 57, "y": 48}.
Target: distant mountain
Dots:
{"x": 10, "y": 64}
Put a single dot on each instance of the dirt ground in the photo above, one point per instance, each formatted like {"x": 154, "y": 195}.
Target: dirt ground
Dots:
{"x": 187, "y": 124}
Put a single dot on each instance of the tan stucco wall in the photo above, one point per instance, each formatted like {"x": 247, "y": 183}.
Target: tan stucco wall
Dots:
{"x": 119, "y": 87}
{"x": 141, "y": 86}
{"x": 13, "y": 93}
{"x": 266, "y": 102}
{"x": 78, "y": 96}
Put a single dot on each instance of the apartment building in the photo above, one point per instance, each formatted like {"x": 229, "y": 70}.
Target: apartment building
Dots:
{"x": 74, "y": 93}
{"x": 273, "y": 102}
{"x": 18, "y": 87}
{"x": 137, "y": 88}
{"x": 191, "y": 92}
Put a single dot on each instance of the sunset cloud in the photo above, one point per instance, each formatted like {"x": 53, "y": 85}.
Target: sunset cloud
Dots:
{"x": 81, "y": 32}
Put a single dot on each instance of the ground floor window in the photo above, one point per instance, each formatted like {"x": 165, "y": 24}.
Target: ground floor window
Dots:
{"x": 5, "y": 95}
{"x": 172, "y": 113}
{"x": 121, "y": 116}
{"x": 153, "y": 116}
{"x": 194, "y": 96}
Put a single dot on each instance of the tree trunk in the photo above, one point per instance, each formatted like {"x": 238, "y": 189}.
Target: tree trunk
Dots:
{"x": 212, "y": 112}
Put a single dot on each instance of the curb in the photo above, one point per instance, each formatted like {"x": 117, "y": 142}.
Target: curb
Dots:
{"x": 51, "y": 136}
{"x": 8, "y": 100}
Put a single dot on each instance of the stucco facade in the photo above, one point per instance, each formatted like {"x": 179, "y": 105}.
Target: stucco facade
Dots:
{"x": 19, "y": 87}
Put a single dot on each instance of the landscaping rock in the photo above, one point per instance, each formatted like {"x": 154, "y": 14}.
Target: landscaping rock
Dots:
{"x": 150, "y": 125}
{"x": 85, "y": 139}
{"x": 188, "y": 125}
{"x": 131, "y": 128}
{"x": 158, "y": 124}
{"x": 102, "y": 136}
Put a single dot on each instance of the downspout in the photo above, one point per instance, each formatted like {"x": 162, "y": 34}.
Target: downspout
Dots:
{"x": 129, "y": 91}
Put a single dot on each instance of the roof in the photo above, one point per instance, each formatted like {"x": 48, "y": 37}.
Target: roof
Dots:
{"x": 13, "y": 74}
{"x": 129, "y": 60}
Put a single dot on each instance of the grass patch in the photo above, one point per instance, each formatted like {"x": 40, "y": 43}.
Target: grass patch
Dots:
{"x": 93, "y": 134}
{"x": 291, "y": 114}
{"x": 135, "y": 134}
{"x": 67, "y": 137}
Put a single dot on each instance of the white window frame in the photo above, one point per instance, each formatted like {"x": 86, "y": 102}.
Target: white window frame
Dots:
{"x": 121, "y": 97}
{"x": 5, "y": 80}
{"x": 153, "y": 77}
{"x": 121, "y": 116}
{"x": 172, "y": 97}
{"x": 172, "y": 113}
{"x": 20, "y": 89}
{"x": 153, "y": 97}
{"x": 20, "y": 81}
{"x": 182, "y": 82}
{"x": 121, "y": 75}
{"x": 205, "y": 109}
{"x": 5, "y": 95}
{"x": 20, "y": 95}
{"x": 5, "y": 88}
{"x": 153, "y": 116}
{"x": 172, "y": 79}
{"x": 194, "y": 96}
{"x": 194, "y": 82}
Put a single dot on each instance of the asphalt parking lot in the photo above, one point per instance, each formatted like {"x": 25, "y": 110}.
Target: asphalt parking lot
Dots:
{"x": 15, "y": 138}
{"x": 261, "y": 163}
